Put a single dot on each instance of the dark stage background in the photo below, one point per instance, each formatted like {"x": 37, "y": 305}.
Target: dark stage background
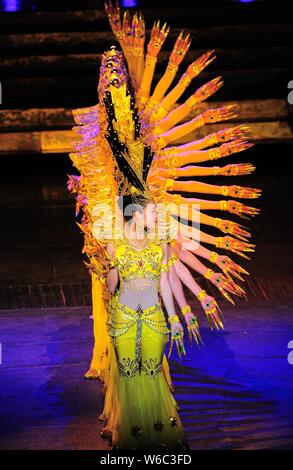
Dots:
{"x": 236, "y": 392}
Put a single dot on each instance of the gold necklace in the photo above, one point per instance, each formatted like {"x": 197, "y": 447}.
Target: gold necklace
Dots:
{"x": 138, "y": 244}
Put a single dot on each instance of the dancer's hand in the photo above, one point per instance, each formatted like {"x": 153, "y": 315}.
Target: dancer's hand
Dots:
{"x": 237, "y": 208}
{"x": 113, "y": 14}
{"x": 73, "y": 183}
{"x": 230, "y": 133}
{"x": 138, "y": 28}
{"x": 204, "y": 92}
{"x": 127, "y": 30}
{"x": 211, "y": 116}
{"x": 181, "y": 46}
{"x": 227, "y": 149}
{"x": 227, "y": 226}
{"x": 158, "y": 37}
{"x": 229, "y": 267}
{"x": 201, "y": 63}
{"x": 212, "y": 310}
{"x": 236, "y": 169}
{"x": 232, "y": 244}
{"x": 241, "y": 192}
{"x": 177, "y": 335}
{"x": 192, "y": 328}
{"x": 224, "y": 285}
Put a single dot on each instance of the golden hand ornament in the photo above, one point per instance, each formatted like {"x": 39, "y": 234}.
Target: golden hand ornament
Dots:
{"x": 201, "y": 63}
{"x": 226, "y": 285}
{"x": 235, "y": 146}
{"x": 227, "y": 226}
{"x": 234, "y": 245}
{"x": 113, "y": 14}
{"x": 228, "y": 149}
{"x": 230, "y": 133}
{"x": 138, "y": 28}
{"x": 236, "y": 169}
{"x": 211, "y": 116}
{"x": 192, "y": 325}
{"x": 205, "y": 91}
{"x": 212, "y": 311}
{"x": 180, "y": 49}
{"x": 229, "y": 267}
{"x": 158, "y": 37}
{"x": 127, "y": 31}
{"x": 242, "y": 192}
{"x": 242, "y": 210}
{"x": 177, "y": 335}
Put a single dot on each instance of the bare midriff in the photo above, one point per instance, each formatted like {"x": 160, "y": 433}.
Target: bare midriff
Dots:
{"x": 139, "y": 291}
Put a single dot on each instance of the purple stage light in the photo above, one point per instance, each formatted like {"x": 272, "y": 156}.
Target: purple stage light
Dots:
{"x": 11, "y": 5}
{"x": 128, "y": 3}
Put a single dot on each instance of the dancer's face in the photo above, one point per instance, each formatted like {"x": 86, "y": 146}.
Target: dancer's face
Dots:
{"x": 148, "y": 216}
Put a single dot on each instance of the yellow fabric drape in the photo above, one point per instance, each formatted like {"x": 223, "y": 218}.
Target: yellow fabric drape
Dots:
{"x": 100, "y": 358}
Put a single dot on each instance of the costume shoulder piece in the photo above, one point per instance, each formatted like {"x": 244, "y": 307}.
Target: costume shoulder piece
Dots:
{"x": 142, "y": 139}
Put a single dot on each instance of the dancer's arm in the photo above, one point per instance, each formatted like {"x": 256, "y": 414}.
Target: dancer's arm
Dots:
{"x": 158, "y": 37}
{"x": 177, "y": 331}
{"x": 165, "y": 288}
{"x": 235, "y": 169}
{"x": 193, "y": 70}
{"x": 210, "y": 116}
{"x": 112, "y": 275}
{"x": 180, "y": 49}
{"x": 208, "y": 303}
{"x": 178, "y": 292}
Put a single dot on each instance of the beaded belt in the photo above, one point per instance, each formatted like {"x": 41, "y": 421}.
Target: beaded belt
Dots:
{"x": 138, "y": 317}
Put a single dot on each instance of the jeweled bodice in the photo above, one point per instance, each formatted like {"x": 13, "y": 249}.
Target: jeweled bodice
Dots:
{"x": 139, "y": 263}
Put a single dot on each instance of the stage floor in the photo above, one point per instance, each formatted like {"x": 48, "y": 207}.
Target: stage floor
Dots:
{"x": 234, "y": 393}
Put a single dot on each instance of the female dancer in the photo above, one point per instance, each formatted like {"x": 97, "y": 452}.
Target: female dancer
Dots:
{"x": 144, "y": 414}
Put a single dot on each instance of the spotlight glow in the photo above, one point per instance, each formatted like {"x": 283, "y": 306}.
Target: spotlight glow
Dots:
{"x": 128, "y": 3}
{"x": 10, "y": 5}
